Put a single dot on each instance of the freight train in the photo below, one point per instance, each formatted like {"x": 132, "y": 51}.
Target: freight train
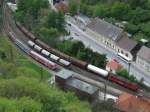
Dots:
{"x": 56, "y": 55}
{"x": 44, "y": 61}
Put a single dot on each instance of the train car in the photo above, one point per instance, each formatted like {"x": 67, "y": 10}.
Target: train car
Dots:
{"x": 123, "y": 83}
{"x": 37, "y": 48}
{"x": 73, "y": 60}
{"x": 79, "y": 63}
{"x": 54, "y": 57}
{"x": 64, "y": 62}
{"x": 43, "y": 45}
{"x": 45, "y": 53}
{"x": 22, "y": 46}
{"x": 11, "y": 36}
{"x": 26, "y": 32}
{"x": 97, "y": 70}
{"x": 60, "y": 54}
{"x": 43, "y": 60}
{"x": 31, "y": 44}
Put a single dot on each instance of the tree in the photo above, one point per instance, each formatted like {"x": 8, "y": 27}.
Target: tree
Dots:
{"x": 99, "y": 60}
{"x": 81, "y": 55}
{"x": 135, "y": 15}
{"x": 55, "y": 20}
{"x": 131, "y": 28}
{"x": 24, "y": 104}
{"x": 29, "y": 10}
{"x": 137, "y": 3}
{"x": 145, "y": 27}
{"x": 76, "y": 46}
{"x": 119, "y": 9}
{"x": 90, "y": 2}
{"x": 27, "y": 72}
{"x": 48, "y": 35}
{"x": 36, "y": 96}
{"x": 32, "y": 7}
{"x": 101, "y": 10}
{"x": 124, "y": 73}
{"x": 73, "y": 7}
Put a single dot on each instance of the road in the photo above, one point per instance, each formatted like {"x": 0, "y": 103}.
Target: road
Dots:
{"x": 82, "y": 36}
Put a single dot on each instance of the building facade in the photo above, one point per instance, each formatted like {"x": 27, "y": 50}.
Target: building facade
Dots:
{"x": 111, "y": 36}
{"x": 143, "y": 58}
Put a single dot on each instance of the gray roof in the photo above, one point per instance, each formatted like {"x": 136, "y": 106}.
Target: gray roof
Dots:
{"x": 82, "y": 86}
{"x": 106, "y": 29}
{"x": 144, "y": 53}
{"x": 83, "y": 18}
{"x": 126, "y": 43}
{"x": 64, "y": 74}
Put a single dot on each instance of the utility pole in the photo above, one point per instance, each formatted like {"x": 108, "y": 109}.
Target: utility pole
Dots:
{"x": 129, "y": 65}
{"x": 105, "y": 90}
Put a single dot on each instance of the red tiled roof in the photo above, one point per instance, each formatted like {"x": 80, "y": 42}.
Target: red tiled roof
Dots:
{"x": 130, "y": 103}
{"x": 114, "y": 65}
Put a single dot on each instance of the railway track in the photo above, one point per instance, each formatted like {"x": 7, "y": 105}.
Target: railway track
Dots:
{"x": 9, "y": 26}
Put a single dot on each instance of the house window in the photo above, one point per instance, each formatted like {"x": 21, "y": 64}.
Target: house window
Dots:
{"x": 126, "y": 54}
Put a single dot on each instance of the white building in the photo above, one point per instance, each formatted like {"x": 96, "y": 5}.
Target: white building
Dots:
{"x": 143, "y": 58}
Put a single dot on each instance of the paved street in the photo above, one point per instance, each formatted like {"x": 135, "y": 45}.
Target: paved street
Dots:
{"x": 78, "y": 34}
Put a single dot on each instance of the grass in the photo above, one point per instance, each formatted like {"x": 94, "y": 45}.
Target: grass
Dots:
{"x": 14, "y": 55}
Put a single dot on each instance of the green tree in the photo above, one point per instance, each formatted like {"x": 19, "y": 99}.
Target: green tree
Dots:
{"x": 48, "y": 35}
{"x": 76, "y": 46}
{"x": 124, "y": 73}
{"x": 73, "y": 7}
{"x": 145, "y": 27}
{"x": 101, "y": 10}
{"x": 135, "y": 15}
{"x": 99, "y": 60}
{"x": 138, "y": 3}
{"x": 24, "y": 104}
{"x": 46, "y": 98}
{"x": 119, "y": 9}
{"x": 131, "y": 28}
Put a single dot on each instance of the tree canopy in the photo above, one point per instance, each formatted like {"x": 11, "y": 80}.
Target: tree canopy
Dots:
{"x": 29, "y": 95}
